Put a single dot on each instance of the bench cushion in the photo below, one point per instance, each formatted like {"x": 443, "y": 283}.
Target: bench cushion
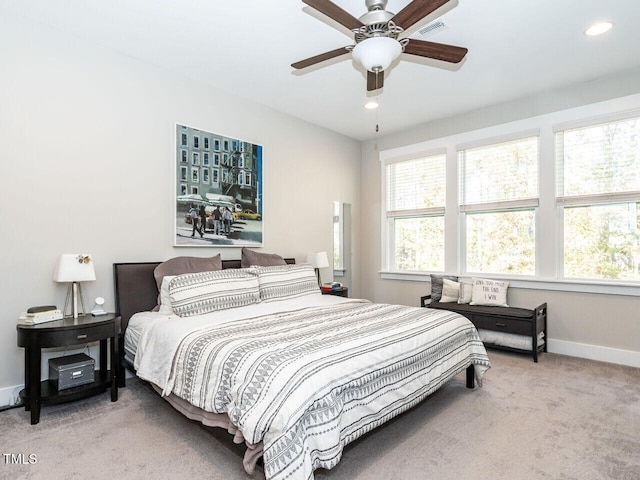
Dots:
{"x": 482, "y": 309}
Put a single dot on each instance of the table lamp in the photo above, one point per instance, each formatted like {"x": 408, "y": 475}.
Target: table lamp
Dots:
{"x": 318, "y": 260}
{"x": 74, "y": 268}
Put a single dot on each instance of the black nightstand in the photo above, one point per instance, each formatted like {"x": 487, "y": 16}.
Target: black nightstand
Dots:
{"x": 62, "y": 333}
{"x": 338, "y": 292}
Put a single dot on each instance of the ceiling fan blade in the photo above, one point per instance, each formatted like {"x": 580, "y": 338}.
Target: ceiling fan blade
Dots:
{"x": 416, "y": 11}
{"x": 437, "y": 51}
{"x": 375, "y": 80}
{"x": 336, "y": 13}
{"x": 320, "y": 58}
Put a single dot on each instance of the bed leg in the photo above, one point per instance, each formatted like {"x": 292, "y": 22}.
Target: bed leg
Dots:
{"x": 470, "y": 376}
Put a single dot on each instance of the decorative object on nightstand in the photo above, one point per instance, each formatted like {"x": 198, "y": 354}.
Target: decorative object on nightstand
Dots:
{"x": 74, "y": 268}
{"x": 337, "y": 291}
{"x": 98, "y": 309}
{"x": 318, "y": 260}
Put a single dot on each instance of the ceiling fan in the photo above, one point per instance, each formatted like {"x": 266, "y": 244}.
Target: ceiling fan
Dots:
{"x": 376, "y": 36}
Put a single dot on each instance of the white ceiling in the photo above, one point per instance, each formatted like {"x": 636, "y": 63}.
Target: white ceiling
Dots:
{"x": 516, "y": 48}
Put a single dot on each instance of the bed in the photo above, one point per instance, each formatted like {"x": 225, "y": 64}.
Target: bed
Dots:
{"x": 292, "y": 374}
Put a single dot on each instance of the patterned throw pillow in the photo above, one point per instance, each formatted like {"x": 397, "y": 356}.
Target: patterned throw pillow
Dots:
{"x": 286, "y": 281}
{"x": 205, "y": 292}
{"x": 489, "y": 292}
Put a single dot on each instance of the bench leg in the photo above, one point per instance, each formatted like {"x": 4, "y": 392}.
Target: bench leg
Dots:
{"x": 470, "y": 376}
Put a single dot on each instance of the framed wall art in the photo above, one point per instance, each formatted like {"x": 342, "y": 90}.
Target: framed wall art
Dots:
{"x": 218, "y": 190}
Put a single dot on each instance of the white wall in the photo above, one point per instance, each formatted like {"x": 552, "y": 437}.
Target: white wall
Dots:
{"x": 86, "y": 165}
{"x": 592, "y": 325}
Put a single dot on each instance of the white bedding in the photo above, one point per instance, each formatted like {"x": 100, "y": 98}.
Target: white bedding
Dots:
{"x": 305, "y": 376}
{"x": 160, "y": 334}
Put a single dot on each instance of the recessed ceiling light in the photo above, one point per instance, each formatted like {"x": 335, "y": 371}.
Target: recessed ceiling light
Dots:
{"x": 598, "y": 29}
{"x": 371, "y": 105}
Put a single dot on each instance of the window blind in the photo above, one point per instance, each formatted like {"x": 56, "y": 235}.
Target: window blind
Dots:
{"x": 416, "y": 186}
{"x": 499, "y": 176}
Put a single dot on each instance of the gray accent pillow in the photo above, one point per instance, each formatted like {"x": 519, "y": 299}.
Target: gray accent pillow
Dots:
{"x": 182, "y": 265}
{"x": 251, "y": 258}
{"x": 436, "y": 285}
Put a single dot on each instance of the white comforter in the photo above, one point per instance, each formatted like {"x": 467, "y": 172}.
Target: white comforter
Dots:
{"x": 306, "y": 377}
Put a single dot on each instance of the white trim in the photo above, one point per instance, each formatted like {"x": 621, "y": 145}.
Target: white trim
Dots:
{"x": 388, "y": 157}
{"x": 584, "y": 286}
{"x": 594, "y": 352}
{"x": 597, "y": 120}
{"x": 506, "y": 138}
{"x": 9, "y": 396}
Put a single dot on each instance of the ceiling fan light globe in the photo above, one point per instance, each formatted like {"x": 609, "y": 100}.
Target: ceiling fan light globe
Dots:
{"x": 377, "y": 53}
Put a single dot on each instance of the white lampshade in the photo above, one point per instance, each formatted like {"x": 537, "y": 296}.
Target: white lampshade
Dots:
{"x": 377, "y": 53}
{"x": 318, "y": 260}
{"x": 74, "y": 267}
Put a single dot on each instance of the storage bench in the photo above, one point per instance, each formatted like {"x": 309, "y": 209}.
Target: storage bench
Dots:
{"x": 509, "y": 320}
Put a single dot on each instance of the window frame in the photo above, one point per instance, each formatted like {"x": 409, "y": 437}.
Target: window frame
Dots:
{"x": 526, "y": 204}
{"x": 587, "y": 200}
{"x": 389, "y": 216}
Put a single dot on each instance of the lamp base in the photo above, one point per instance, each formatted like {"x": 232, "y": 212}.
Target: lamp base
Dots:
{"x": 73, "y": 293}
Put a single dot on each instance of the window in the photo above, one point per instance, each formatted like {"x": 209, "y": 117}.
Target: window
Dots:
{"x": 183, "y": 139}
{"x": 195, "y": 174}
{"x": 216, "y": 159}
{"x": 205, "y": 159}
{"x": 205, "y": 175}
{"x": 195, "y": 160}
{"x": 598, "y": 195}
{"x": 216, "y": 144}
{"x": 214, "y": 173}
{"x": 206, "y": 143}
{"x": 183, "y": 156}
{"x": 498, "y": 203}
{"x": 549, "y": 202}
{"x": 183, "y": 189}
{"x": 196, "y": 141}
{"x": 415, "y": 207}
{"x": 183, "y": 174}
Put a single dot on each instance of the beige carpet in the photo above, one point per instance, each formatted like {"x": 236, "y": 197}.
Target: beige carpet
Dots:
{"x": 563, "y": 418}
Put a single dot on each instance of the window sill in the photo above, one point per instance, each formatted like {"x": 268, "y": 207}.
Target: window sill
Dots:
{"x": 583, "y": 286}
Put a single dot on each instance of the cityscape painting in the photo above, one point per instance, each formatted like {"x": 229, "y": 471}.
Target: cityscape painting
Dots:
{"x": 218, "y": 190}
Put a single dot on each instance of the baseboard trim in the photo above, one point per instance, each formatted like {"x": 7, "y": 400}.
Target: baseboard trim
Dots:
{"x": 594, "y": 352}
{"x": 9, "y": 396}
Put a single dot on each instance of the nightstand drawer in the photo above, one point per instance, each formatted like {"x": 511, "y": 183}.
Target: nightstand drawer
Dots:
{"x": 76, "y": 335}
{"x": 502, "y": 324}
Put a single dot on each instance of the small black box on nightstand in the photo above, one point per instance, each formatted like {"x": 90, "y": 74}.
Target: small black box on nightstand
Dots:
{"x": 71, "y": 370}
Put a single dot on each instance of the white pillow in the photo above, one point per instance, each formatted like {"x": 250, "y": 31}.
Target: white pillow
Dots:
{"x": 283, "y": 282}
{"x": 466, "y": 290}
{"x": 165, "y": 299}
{"x": 450, "y": 291}
{"x": 205, "y": 292}
{"x": 489, "y": 292}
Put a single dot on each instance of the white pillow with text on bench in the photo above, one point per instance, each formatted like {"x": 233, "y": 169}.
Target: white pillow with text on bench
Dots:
{"x": 489, "y": 292}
